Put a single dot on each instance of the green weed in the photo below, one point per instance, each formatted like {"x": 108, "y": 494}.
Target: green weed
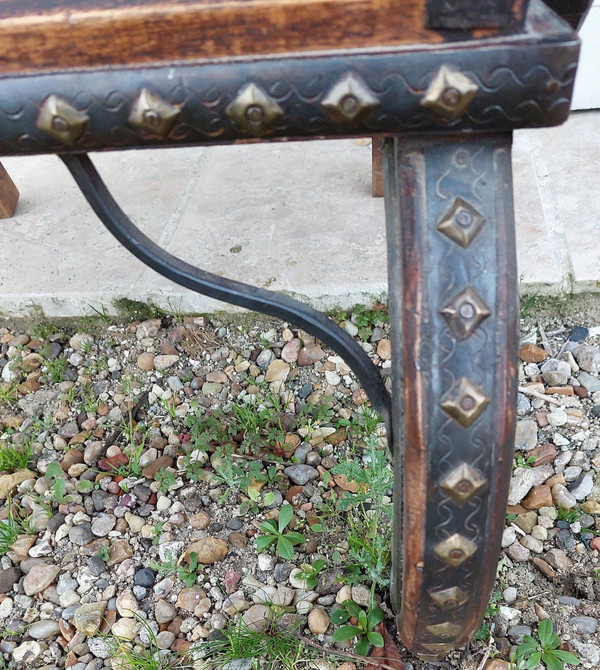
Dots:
{"x": 274, "y": 534}
{"x": 364, "y": 628}
{"x": 14, "y": 458}
{"x": 531, "y": 652}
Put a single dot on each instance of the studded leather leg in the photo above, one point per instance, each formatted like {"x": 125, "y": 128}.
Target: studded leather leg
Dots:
{"x": 453, "y": 306}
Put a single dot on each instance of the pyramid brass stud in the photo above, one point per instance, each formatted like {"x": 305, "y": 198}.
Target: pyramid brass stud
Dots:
{"x": 462, "y": 483}
{"x": 461, "y": 222}
{"x": 464, "y": 401}
{"x": 445, "y": 631}
{"x": 61, "y": 120}
{"x": 465, "y": 312}
{"x": 449, "y": 94}
{"x": 153, "y": 114}
{"x": 349, "y": 99}
{"x": 455, "y": 550}
{"x": 449, "y": 599}
{"x": 254, "y": 110}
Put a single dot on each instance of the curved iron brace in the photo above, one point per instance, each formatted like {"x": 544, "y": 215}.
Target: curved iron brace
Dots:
{"x": 227, "y": 290}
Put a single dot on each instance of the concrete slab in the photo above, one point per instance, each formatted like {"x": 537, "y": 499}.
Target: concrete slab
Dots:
{"x": 294, "y": 217}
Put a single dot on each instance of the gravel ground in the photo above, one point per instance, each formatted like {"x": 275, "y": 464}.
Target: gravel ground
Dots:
{"x": 158, "y": 448}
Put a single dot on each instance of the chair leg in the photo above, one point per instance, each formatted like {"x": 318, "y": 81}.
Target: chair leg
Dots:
{"x": 377, "y": 167}
{"x": 453, "y": 309}
{"x": 9, "y": 194}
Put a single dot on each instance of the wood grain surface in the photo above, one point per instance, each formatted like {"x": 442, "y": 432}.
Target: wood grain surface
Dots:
{"x": 38, "y": 35}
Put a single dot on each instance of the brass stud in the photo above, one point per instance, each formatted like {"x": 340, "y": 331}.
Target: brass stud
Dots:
{"x": 462, "y": 483}
{"x": 153, "y": 114}
{"x": 465, "y": 312}
{"x": 254, "y": 110}
{"x": 449, "y": 599}
{"x": 445, "y": 631}
{"x": 464, "y": 402}
{"x": 449, "y": 93}
{"x": 349, "y": 100}
{"x": 461, "y": 222}
{"x": 61, "y": 120}
{"x": 455, "y": 550}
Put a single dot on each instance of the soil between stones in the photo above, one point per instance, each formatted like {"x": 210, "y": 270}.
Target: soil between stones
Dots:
{"x": 157, "y": 449}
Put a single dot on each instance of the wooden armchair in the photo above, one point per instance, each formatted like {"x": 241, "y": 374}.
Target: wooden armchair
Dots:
{"x": 445, "y": 82}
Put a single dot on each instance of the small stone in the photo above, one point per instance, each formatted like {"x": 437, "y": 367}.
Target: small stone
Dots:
{"x": 164, "y": 612}
{"x": 587, "y": 625}
{"x": 384, "y": 349}
{"x": 120, "y": 550}
{"x": 510, "y": 595}
{"x": 290, "y": 351}
{"x": 208, "y": 550}
{"x": 531, "y": 543}
{"x": 41, "y": 630}
{"x": 88, "y": 617}
{"x": 558, "y": 560}
{"x": 518, "y": 552}
{"x": 278, "y": 370}
{"x": 526, "y": 435}
{"x": 8, "y": 578}
{"x": 27, "y": 653}
{"x": 590, "y": 382}
{"x": 581, "y": 488}
{"x": 145, "y": 577}
{"x": 544, "y": 567}
{"x": 588, "y": 358}
{"x": 361, "y": 595}
{"x": 161, "y": 463}
{"x": 145, "y": 361}
{"x": 103, "y": 524}
{"x": 526, "y": 521}
{"x": 189, "y": 598}
{"x": 257, "y": 618}
{"x": 39, "y": 578}
{"x": 8, "y": 483}
{"x": 148, "y": 328}
{"x": 284, "y": 596}
{"x": 562, "y": 497}
{"x": 539, "y": 496}
{"x": 165, "y": 361}
{"x": 125, "y": 628}
{"x": 555, "y": 372}
{"x": 81, "y": 341}
{"x": 543, "y": 454}
{"x": 591, "y": 507}
{"x": 127, "y": 604}
{"x": 266, "y": 562}
{"x": 318, "y": 621}
{"x": 310, "y": 354}
{"x": 557, "y": 417}
{"x": 281, "y": 572}
{"x": 301, "y": 474}
{"x": 509, "y": 535}
{"x": 520, "y": 485}
{"x": 531, "y": 353}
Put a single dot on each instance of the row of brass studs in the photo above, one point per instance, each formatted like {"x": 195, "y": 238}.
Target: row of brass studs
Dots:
{"x": 464, "y": 402}
{"x": 254, "y": 110}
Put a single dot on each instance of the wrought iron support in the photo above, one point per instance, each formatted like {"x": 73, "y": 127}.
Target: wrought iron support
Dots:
{"x": 453, "y": 293}
{"x": 236, "y": 293}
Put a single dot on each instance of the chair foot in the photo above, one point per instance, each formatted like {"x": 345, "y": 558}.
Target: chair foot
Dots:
{"x": 9, "y": 194}
{"x": 453, "y": 308}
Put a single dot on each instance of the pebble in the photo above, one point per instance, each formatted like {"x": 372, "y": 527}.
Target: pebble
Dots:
{"x": 531, "y": 353}
{"x": 588, "y": 358}
{"x": 42, "y": 630}
{"x": 164, "y": 611}
{"x": 562, "y": 497}
{"x": 257, "y": 617}
{"x": 209, "y": 550}
{"x": 281, "y": 572}
{"x": 318, "y": 621}
{"x": 145, "y": 362}
{"x": 584, "y": 624}
{"x": 555, "y": 372}
{"x": 557, "y": 417}
{"x": 165, "y": 361}
{"x": 581, "y": 488}
{"x": 526, "y": 435}
{"x": 301, "y": 474}
{"x": 518, "y": 552}
{"x": 520, "y": 485}
{"x": 145, "y": 577}
{"x": 39, "y": 577}
{"x": 88, "y": 617}
{"x": 81, "y": 341}
{"x": 590, "y": 382}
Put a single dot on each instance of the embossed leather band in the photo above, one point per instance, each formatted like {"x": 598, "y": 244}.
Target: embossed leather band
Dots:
{"x": 454, "y": 396}
{"x": 495, "y": 84}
